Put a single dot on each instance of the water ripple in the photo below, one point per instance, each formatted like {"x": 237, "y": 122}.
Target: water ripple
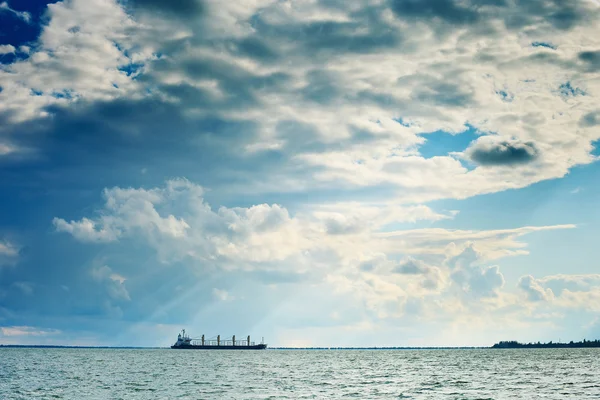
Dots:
{"x": 273, "y": 374}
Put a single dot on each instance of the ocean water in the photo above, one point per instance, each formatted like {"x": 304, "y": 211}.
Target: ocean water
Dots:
{"x": 284, "y": 374}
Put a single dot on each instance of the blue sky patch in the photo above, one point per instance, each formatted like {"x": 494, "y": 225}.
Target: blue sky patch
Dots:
{"x": 505, "y": 96}
{"x": 544, "y": 44}
{"x": 131, "y": 69}
{"x": 596, "y": 151}
{"x": 441, "y": 143}
{"x": 567, "y": 90}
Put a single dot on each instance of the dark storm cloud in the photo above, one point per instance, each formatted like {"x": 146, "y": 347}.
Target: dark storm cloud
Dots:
{"x": 256, "y": 48}
{"x": 364, "y": 33}
{"x": 343, "y": 37}
{"x": 321, "y": 87}
{"x": 126, "y": 136}
{"x": 237, "y": 88}
{"x": 519, "y": 14}
{"x": 185, "y": 9}
{"x": 590, "y": 119}
{"x": 443, "y": 94}
{"x": 591, "y": 59}
{"x": 490, "y": 152}
{"x": 446, "y": 10}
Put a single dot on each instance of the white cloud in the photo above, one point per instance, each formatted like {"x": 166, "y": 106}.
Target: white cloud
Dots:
{"x": 6, "y": 149}
{"x": 6, "y": 49}
{"x": 222, "y": 295}
{"x": 85, "y": 230}
{"x": 25, "y": 16}
{"x": 7, "y": 249}
{"x": 577, "y": 291}
{"x": 533, "y": 290}
{"x": 9, "y": 253}
{"x": 179, "y": 224}
{"x": 16, "y": 331}
{"x": 74, "y": 59}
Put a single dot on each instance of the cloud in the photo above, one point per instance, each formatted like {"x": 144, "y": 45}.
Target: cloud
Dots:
{"x": 411, "y": 266}
{"x": 309, "y": 121}
{"x": 6, "y": 149}
{"x": 513, "y": 15}
{"x": 590, "y": 119}
{"x": 533, "y": 290}
{"x": 85, "y": 230}
{"x": 433, "y": 277}
{"x": 445, "y": 10}
{"x": 591, "y": 59}
{"x": 473, "y": 279}
{"x": 440, "y": 269}
{"x": 6, "y": 49}
{"x": 577, "y": 291}
{"x": 113, "y": 282}
{"x": 255, "y": 233}
{"x": 493, "y": 151}
{"x": 185, "y": 9}
{"x": 177, "y": 222}
{"x": 574, "y": 283}
{"x": 8, "y": 252}
{"x": 25, "y": 16}
{"x": 311, "y": 154}
{"x": 16, "y": 331}
{"x": 222, "y": 295}
{"x": 25, "y": 288}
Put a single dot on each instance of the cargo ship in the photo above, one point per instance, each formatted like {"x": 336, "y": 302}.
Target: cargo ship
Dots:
{"x": 186, "y": 342}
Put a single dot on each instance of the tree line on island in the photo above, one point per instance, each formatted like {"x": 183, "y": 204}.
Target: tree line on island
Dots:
{"x": 513, "y": 344}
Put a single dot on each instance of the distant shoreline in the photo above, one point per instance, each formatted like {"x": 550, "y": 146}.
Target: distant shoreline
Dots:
{"x": 513, "y": 344}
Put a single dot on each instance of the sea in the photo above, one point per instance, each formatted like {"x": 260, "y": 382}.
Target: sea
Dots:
{"x": 38, "y": 373}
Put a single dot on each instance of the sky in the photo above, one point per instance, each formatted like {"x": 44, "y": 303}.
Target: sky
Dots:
{"x": 314, "y": 172}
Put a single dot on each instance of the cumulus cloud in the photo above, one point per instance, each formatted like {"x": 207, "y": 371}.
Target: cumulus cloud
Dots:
{"x": 576, "y": 291}
{"x": 433, "y": 278}
{"x": 179, "y": 224}
{"x": 258, "y": 232}
{"x": 6, "y": 49}
{"x": 473, "y": 279}
{"x": 438, "y": 267}
{"x": 492, "y": 151}
{"x": 533, "y": 289}
{"x": 574, "y": 283}
{"x": 84, "y": 230}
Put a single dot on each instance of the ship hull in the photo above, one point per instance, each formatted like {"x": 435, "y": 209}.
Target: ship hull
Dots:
{"x": 199, "y": 347}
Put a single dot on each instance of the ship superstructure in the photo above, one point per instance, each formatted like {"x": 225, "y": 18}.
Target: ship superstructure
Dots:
{"x": 184, "y": 341}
